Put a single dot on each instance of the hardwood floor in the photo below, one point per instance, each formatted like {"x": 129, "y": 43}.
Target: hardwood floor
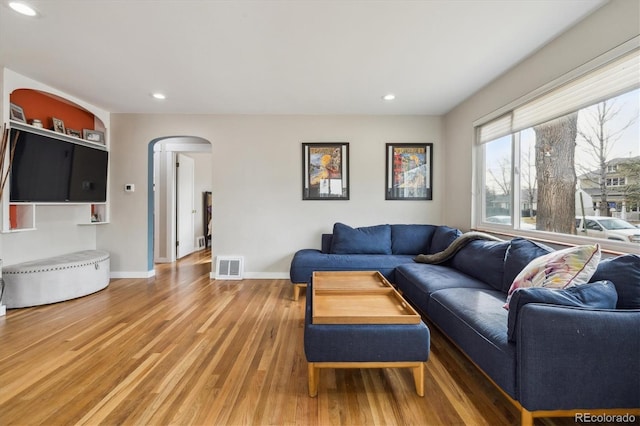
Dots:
{"x": 182, "y": 349}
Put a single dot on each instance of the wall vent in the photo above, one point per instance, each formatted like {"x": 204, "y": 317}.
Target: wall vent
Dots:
{"x": 229, "y": 267}
{"x": 200, "y": 242}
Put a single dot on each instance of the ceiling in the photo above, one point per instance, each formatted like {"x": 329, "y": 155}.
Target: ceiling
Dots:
{"x": 278, "y": 57}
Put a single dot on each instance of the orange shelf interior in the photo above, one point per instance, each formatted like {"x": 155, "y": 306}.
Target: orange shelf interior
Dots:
{"x": 38, "y": 105}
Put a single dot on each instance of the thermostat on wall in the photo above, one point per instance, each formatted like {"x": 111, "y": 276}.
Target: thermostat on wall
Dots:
{"x": 129, "y": 187}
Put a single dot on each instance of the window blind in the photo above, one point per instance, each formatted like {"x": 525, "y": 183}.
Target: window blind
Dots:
{"x": 614, "y": 78}
{"x": 497, "y": 128}
{"x": 606, "y": 82}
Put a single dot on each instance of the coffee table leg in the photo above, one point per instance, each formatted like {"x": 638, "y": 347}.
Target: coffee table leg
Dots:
{"x": 418, "y": 378}
{"x": 314, "y": 376}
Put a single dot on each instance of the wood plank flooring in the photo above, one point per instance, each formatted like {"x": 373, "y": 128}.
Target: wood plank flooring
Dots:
{"x": 181, "y": 349}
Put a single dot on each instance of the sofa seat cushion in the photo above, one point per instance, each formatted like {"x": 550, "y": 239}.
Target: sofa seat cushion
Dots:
{"x": 476, "y": 322}
{"x": 308, "y": 260}
{"x": 419, "y": 280}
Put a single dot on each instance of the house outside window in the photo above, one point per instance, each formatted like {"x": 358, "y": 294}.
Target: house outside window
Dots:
{"x": 570, "y": 151}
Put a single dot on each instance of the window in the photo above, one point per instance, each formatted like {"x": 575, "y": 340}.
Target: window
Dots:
{"x": 567, "y": 152}
{"x": 619, "y": 181}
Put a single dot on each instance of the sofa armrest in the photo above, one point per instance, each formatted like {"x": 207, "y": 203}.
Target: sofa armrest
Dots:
{"x": 300, "y": 269}
{"x": 576, "y": 358}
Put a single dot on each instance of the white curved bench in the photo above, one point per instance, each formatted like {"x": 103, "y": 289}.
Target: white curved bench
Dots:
{"x": 55, "y": 279}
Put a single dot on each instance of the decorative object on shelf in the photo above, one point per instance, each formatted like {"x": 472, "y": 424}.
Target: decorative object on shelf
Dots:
{"x": 74, "y": 133}
{"x": 16, "y": 113}
{"x": 36, "y": 123}
{"x": 325, "y": 171}
{"x": 58, "y": 125}
{"x": 93, "y": 135}
{"x": 409, "y": 171}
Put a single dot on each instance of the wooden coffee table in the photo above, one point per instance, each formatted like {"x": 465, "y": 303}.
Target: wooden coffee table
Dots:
{"x": 360, "y": 301}
{"x": 358, "y": 298}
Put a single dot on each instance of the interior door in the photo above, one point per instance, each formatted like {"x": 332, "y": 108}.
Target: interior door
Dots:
{"x": 185, "y": 206}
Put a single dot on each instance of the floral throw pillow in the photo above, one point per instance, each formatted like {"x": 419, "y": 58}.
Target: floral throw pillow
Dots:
{"x": 559, "y": 269}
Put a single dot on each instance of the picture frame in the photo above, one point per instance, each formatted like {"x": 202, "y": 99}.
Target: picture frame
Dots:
{"x": 325, "y": 171}
{"x": 93, "y": 135}
{"x": 409, "y": 171}
{"x": 16, "y": 113}
{"x": 75, "y": 133}
{"x": 58, "y": 125}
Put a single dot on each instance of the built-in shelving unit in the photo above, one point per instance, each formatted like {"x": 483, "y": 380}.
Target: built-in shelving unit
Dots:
{"x": 42, "y": 102}
{"x": 55, "y": 135}
{"x": 22, "y": 217}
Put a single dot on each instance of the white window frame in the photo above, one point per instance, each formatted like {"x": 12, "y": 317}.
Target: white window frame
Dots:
{"x": 498, "y": 123}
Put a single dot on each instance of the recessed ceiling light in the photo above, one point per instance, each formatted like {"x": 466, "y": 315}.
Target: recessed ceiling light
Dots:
{"x": 159, "y": 96}
{"x": 389, "y": 97}
{"x": 22, "y": 8}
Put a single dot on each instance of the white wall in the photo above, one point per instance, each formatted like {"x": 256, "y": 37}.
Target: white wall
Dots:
{"x": 610, "y": 26}
{"x": 203, "y": 181}
{"x": 57, "y": 233}
{"x": 256, "y": 183}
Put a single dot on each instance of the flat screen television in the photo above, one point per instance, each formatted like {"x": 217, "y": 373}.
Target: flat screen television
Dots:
{"x": 50, "y": 170}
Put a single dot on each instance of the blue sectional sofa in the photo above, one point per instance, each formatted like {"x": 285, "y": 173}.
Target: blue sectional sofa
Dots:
{"x": 551, "y": 357}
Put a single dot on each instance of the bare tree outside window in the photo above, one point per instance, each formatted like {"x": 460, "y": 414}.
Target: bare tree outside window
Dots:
{"x": 598, "y": 135}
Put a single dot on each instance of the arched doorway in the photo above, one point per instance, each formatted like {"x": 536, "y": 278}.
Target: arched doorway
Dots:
{"x": 162, "y": 153}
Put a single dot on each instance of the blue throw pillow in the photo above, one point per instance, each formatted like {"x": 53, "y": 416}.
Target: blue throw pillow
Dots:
{"x": 624, "y": 272}
{"x": 519, "y": 254}
{"x": 595, "y": 295}
{"x": 365, "y": 240}
{"x": 442, "y": 238}
{"x": 411, "y": 239}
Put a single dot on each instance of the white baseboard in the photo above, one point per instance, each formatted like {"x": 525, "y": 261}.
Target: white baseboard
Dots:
{"x": 260, "y": 276}
{"x": 212, "y": 275}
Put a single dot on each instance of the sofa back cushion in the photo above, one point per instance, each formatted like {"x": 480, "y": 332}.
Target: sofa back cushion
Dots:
{"x": 365, "y": 240}
{"x": 411, "y": 239}
{"x": 326, "y": 243}
{"x": 519, "y": 254}
{"x": 483, "y": 260}
{"x": 624, "y": 272}
{"x": 443, "y": 236}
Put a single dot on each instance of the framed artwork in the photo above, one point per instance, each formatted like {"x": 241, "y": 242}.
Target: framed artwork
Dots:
{"x": 58, "y": 125}
{"x": 16, "y": 113}
{"x": 409, "y": 171}
{"x": 74, "y": 133}
{"x": 93, "y": 135}
{"x": 325, "y": 171}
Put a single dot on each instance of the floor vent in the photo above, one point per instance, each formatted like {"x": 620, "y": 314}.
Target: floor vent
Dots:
{"x": 229, "y": 267}
{"x": 200, "y": 242}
